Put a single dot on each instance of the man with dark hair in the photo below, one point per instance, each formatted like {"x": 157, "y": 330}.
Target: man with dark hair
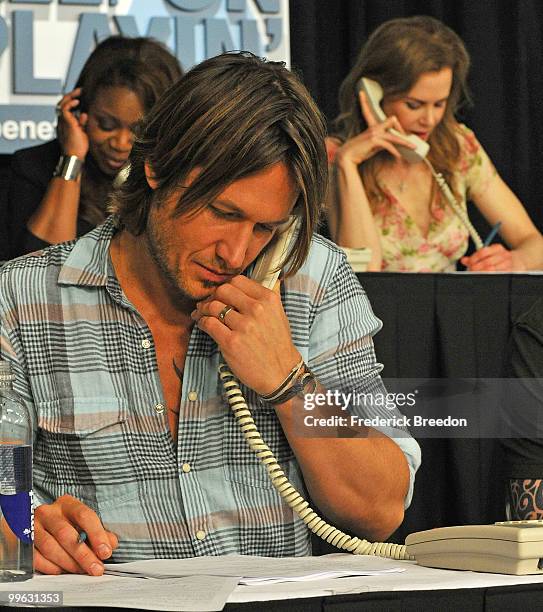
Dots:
{"x": 116, "y": 340}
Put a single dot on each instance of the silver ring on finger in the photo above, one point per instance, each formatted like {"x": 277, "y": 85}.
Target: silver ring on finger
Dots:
{"x": 223, "y": 313}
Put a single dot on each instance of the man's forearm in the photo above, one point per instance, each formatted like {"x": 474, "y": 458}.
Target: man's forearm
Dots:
{"x": 357, "y": 476}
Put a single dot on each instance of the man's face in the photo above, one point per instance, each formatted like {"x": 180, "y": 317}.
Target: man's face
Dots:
{"x": 198, "y": 252}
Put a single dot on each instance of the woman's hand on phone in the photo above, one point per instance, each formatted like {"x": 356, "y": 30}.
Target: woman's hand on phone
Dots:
{"x": 377, "y": 137}
{"x": 71, "y": 132}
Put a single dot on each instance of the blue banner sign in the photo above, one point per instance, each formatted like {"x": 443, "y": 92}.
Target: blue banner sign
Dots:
{"x": 44, "y": 44}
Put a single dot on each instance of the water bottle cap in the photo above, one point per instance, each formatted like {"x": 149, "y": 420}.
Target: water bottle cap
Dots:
{"x": 6, "y": 372}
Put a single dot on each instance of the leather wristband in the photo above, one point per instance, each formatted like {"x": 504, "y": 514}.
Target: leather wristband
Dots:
{"x": 68, "y": 167}
{"x": 286, "y": 383}
{"x": 303, "y": 382}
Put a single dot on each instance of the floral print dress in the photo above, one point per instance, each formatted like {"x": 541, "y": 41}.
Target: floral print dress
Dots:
{"x": 405, "y": 248}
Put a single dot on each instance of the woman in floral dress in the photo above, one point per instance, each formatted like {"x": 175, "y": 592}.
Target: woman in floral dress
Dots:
{"x": 381, "y": 201}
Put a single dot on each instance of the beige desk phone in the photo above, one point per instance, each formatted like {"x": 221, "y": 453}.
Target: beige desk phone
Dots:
{"x": 514, "y": 547}
{"x": 508, "y": 547}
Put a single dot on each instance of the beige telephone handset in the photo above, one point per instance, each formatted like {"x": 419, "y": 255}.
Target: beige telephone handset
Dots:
{"x": 267, "y": 269}
{"x": 508, "y": 547}
{"x": 374, "y": 95}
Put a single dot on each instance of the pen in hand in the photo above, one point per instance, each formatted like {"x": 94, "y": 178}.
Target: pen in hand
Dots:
{"x": 82, "y": 537}
{"x": 492, "y": 234}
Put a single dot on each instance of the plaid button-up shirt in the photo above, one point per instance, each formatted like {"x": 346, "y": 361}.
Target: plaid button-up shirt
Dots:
{"x": 86, "y": 364}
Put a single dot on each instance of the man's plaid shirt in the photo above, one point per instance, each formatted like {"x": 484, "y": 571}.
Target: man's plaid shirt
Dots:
{"x": 86, "y": 365}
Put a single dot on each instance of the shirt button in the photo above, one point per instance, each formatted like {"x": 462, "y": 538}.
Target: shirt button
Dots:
{"x": 159, "y": 408}
{"x": 193, "y": 396}
{"x": 145, "y": 343}
{"x": 200, "y": 535}
{"x": 186, "y": 467}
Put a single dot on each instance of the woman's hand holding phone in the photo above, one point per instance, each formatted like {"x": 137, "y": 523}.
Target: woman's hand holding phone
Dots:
{"x": 377, "y": 137}
{"x": 71, "y": 132}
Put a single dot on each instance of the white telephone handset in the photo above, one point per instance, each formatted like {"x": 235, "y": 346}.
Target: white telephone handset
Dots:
{"x": 268, "y": 266}
{"x": 374, "y": 95}
{"x": 508, "y": 547}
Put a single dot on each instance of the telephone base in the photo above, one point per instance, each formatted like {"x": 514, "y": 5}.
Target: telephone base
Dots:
{"x": 481, "y": 563}
{"x": 505, "y": 548}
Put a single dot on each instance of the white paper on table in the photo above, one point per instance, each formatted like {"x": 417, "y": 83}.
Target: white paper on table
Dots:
{"x": 187, "y": 594}
{"x": 414, "y": 578}
{"x": 255, "y": 567}
{"x": 317, "y": 576}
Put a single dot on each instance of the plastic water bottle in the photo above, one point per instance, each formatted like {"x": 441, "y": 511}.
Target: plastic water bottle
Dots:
{"x": 16, "y": 509}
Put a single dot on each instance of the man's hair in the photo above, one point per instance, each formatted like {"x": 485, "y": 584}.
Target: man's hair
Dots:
{"x": 229, "y": 117}
{"x": 142, "y": 65}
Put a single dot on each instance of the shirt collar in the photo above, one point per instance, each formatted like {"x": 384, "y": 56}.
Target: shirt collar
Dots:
{"x": 88, "y": 262}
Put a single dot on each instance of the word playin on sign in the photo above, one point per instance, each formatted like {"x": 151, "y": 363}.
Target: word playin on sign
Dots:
{"x": 44, "y": 44}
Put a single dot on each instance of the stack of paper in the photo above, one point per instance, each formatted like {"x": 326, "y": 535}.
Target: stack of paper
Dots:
{"x": 254, "y": 569}
{"x": 266, "y": 580}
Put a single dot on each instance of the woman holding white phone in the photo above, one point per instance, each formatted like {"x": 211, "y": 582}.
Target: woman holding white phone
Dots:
{"x": 380, "y": 200}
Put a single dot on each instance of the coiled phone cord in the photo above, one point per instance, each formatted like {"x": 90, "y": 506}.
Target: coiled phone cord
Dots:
{"x": 451, "y": 200}
{"x": 318, "y": 526}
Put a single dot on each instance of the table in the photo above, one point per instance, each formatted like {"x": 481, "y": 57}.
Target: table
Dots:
{"x": 449, "y": 325}
{"x": 442, "y": 325}
{"x": 491, "y": 599}
{"x": 413, "y": 588}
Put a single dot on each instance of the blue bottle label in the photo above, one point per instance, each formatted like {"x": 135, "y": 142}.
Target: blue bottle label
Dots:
{"x": 19, "y": 514}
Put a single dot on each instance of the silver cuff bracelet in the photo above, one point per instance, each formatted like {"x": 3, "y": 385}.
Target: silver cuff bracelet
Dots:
{"x": 68, "y": 167}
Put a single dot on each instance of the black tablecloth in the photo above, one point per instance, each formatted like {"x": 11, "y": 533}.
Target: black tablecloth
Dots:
{"x": 437, "y": 325}
{"x": 489, "y": 599}
{"x": 450, "y": 325}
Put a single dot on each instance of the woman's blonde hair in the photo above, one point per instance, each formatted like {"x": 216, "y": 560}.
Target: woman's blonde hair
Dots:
{"x": 395, "y": 55}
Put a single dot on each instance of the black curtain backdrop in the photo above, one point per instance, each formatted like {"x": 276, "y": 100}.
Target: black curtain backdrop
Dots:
{"x": 505, "y": 41}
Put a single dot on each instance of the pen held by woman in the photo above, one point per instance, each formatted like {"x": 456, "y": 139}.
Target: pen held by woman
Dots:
{"x": 495, "y": 229}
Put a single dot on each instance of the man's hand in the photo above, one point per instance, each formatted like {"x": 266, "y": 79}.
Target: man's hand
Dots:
{"x": 254, "y": 337}
{"x": 56, "y": 532}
